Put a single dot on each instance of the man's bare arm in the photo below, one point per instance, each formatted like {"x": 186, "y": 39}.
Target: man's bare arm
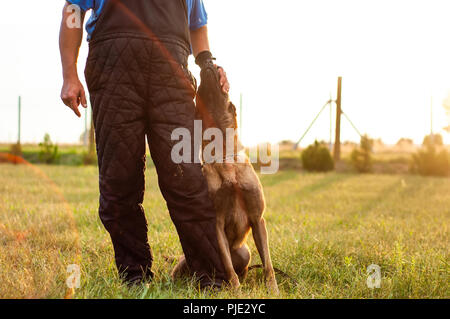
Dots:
{"x": 200, "y": 43}
{"x": 72, "y": 93}
{"x": 199, "y": 40}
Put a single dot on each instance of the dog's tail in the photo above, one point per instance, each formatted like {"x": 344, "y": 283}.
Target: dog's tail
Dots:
{"x": 277, "y": 271}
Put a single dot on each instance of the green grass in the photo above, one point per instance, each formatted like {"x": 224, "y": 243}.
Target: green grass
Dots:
{"x": 325, "y": 229}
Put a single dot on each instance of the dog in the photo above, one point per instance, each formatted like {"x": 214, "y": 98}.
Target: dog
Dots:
{"x": 234, "y": 188}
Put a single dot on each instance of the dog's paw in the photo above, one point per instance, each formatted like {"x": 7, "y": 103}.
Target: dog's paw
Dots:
{"x": 234, "y": 282}
{"x": 273, "y": 287}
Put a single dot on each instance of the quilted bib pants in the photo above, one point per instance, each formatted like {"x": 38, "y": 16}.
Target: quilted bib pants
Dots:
{"x": 140, "y": 88}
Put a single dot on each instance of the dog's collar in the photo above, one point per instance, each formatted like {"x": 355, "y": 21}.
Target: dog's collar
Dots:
{"x": 230, "y": 158}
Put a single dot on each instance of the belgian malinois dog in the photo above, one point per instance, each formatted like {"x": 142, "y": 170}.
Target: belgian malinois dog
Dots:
{"x": 234, "y": 188}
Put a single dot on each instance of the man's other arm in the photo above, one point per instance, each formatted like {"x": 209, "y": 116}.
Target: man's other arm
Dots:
{"x": 200, "y": 43}
{"x": 72, "y": 92}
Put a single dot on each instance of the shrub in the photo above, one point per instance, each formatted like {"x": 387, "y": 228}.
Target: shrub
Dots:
{"x": 317, "y": 158}
{"x": 362, "y": 157}
{"x": 433, "y": 140}
{"x": 429, "y": 162}
{"x": 48, "y": 151}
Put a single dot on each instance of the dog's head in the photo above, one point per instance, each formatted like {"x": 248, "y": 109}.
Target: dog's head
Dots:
{"x": 213, "y": 105}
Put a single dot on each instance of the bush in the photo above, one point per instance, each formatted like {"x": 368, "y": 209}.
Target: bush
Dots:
{"x": 362, "y": 157}
{"x": 48, "y": 151}
{"x": 429, "y": 162}
{"x": 433, "y": 140}
{"x": 317, "y": 158}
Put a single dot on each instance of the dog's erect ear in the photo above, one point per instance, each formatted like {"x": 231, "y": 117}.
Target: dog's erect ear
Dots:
{"x": 232, "y": 108}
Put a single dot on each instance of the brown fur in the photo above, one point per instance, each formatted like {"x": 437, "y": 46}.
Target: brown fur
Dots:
{"x": 236, "y": 192}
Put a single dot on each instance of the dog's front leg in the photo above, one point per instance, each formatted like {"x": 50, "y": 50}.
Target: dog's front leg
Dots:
{"x": 224, "y": 206}
{"x": 224, "y": 248}
{"x": 260, "y": 236}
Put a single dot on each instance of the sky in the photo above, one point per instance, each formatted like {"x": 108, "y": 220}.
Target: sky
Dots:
{"x": 283, "y": 56}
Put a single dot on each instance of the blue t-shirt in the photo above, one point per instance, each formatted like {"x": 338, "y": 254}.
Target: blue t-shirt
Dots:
{"x": 197, "y": 16}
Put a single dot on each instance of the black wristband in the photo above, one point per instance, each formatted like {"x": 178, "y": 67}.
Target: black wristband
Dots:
{"x": 203, "y": 58}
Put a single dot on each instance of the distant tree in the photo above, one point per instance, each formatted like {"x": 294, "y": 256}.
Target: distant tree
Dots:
{"x": 429, "y": 162}
{"x": 286, "y": 143}
{"x": 16, "y": 149}
{"x": 405, "y": 141}
{"x": 378, "y": 142}
{"x": 48, "y": 151}
{"x": 435, "y": 139}
{"x": 362, "y": 157}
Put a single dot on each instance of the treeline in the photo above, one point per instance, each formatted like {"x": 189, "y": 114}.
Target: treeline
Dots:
{"x": 433, "y": 159}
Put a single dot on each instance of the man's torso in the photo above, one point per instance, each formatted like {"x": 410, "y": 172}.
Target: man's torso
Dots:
{"x": 197, "y": 16}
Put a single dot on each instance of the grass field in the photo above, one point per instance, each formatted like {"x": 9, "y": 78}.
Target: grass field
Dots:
{"x": 325, "y": 230}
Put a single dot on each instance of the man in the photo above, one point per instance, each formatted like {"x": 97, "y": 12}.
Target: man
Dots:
{"x": 140, "y": 87}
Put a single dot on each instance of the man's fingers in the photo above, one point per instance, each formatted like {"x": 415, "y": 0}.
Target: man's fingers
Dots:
{"x": 223, "y": 80}
{"x": 226, "y": 88}
{"x": 72, "y": 94}
{"x": 223, "y": 76}
{"x": 73, "y": 101}
{"x": 83, "y": 98}
{"x": 76, "y": 111}
{"x": 74, "y": 106}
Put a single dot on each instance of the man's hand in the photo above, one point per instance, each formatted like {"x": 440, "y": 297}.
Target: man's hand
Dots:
{"x": 223, "y": 80}
{"x": 205, "y": 59}
{"x": 72, "y": 94}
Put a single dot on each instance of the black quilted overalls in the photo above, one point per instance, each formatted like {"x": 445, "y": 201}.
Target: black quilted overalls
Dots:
{"x": 140, "y": 87}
